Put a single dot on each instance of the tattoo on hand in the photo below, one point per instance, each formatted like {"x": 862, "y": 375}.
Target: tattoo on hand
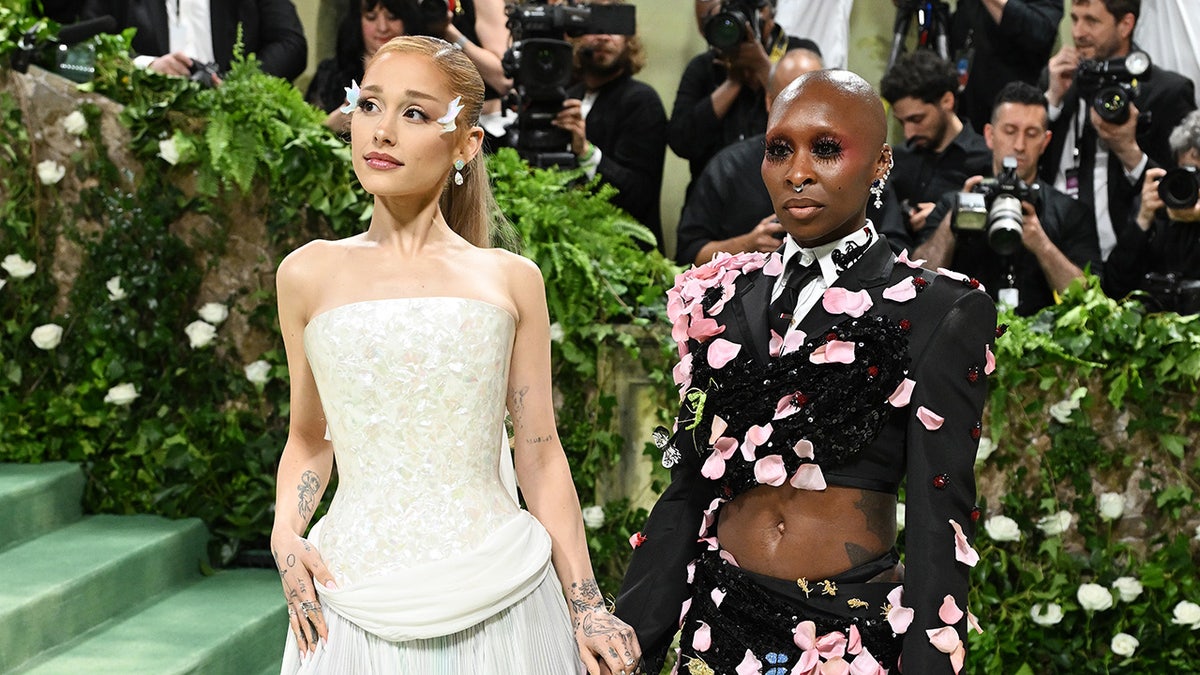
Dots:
{"x": 585, "y": 596}
{"x": 308, "y": 488}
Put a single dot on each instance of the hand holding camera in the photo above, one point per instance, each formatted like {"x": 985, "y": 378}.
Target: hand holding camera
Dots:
{"x": 1176, "y": 190}
{"x": 999, "y": 207}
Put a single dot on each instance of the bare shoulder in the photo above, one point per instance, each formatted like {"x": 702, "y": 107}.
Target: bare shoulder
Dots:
{"x": 519, "y": 273}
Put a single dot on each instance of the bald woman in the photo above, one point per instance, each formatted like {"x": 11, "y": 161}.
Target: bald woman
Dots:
{"x": 813, "y": 381}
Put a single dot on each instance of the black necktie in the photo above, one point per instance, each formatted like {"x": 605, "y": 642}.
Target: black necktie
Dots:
{"x": 797, "y": 277}
{"x": 1086, "y": 141}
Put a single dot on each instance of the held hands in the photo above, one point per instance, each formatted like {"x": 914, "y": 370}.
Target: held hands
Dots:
{"x": 1062, "y": 73}
{"x": 570, "y": 118}
{"x": 606, "y": 644}
{"x": 300, "y": 566}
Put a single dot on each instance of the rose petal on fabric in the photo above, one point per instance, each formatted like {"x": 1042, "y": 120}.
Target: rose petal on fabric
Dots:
{"x": 679, "y": 329}
{"x": 756, "y": 436}
{"x": 775, "y": 345}
{"x": 719, "y": 425}
{"x": 726, "y": 446}
{"x": 714, "y": 466}
{"x": 682, "y": 372}
{"x": 900, "y": 292}
{"x": 903, "y": 259}
{"x": 903, "y": 394}
{"x": 945, "y": 639}
{"x": 683, "y": 610}
{"x": 793, "y": 341}
{"x": 835, "y": 666}
{"x": 973, "y": 622}
{"x": 837, "y": 300}
{"x": 854, "y": 641}
{"x": 834, "y": 351}
{"x": 958, "y": 657}
{"x": 774, "y": 266}
{"x": 721, "y": 352}
{"x": 804, "y": 449}
{"x": 963, "y": 552}
{"x": 728, "y": 557}
{"x": 691, "y": 572}
{"x": 989, "y": 360}
{"x": 749, "y": 665}
{"x": 770, "y": 471}
{"x": 957, "y": 276}
{"x": 807, "y": 663}
{"x": 832, "y": 645}
{"x": 808, "y": 477}
{"x": 703, "y": 329}
{"x": 702, "y": 638}
{"x": 637, "y": 539}
{"x": 718, "y": 596}
{"x": 949, "y": 612}
{"x": 785, "y": 408}
{"x": 805, "y": 635}
{"x": 674, "y": 305}
{"x": 929, "y": 419}
{"x": 711, "y": 542}
{"x": 900, "y": 618}
{"x": 865, "y": 664}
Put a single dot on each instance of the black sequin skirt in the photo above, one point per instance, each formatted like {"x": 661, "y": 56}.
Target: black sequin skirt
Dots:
{"x": 735, "y": 611}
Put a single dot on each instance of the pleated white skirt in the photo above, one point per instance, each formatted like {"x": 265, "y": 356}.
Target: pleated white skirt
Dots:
{"x": 531, "y": 637}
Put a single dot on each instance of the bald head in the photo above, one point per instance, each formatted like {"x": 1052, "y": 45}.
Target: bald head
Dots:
{"x": 794, "y": 63}
{"x": 843, "y": 88}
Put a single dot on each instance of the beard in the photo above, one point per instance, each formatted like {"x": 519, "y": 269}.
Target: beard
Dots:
{"x": 598, "y": 66}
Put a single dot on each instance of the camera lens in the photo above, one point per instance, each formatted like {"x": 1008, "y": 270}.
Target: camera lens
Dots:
{"x": 724, "y": 30}
{"x": 1179, "y": 188}
{"x": 1004, "y": 224}
{"x": 1112, "y": 104}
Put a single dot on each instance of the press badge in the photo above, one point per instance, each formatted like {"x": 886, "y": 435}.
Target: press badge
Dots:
{"x": 1071, "y": 187}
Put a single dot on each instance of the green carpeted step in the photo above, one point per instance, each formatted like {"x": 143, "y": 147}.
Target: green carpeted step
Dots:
{"x": 234, "y": 623}
{"x": 37, "y": 498}
{"x": 74, "y": 578}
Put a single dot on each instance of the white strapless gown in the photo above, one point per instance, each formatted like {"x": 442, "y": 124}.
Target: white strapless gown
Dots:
{"x": 439, "y": 569}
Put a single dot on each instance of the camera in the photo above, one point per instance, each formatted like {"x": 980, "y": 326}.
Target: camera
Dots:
{"x": 541, "y": 63}
{"x": 1110, "y": 86}
{"x": 1172, "y": 293}
{"x": 727, "y": 28}
{"x": 204, "y": 73}
{"x": 994, "y": 207}
{"x": 1180, "y": 188}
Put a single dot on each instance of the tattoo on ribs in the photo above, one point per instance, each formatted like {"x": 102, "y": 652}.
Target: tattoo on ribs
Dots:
{"x": 308, "y": 488}
{"x": 879, "y": 513}
{"x": 857, "y": 554}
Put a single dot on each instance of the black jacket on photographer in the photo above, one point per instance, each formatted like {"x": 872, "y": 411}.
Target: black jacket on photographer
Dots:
{"x": 1067, "y": 223}
{"x": 1163, "y": 99}
{"x": 1167, "y": 248}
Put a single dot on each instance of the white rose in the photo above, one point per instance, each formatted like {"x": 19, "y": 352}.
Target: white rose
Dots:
{"x": 168, "y": 151}
{"x": 18, "y": 267}
{"x": 122, "y": 394}
{"x": 1049, "y": 616}
{"x": 47, "y": 336}
{"x": 1055, "y": 524}
{"x": 1094, "y": 597}
{"x": 900, "y": 513}
{"x": 556, "y": 332}
{"x": 258, "y": 372}
{"x": 50, "y": 171}
{"x": 593, "y": 516}
{"x": 1112, "y": 505}
{"x": 1187, "y": 614}
{"x": 986, "y": 448}
{"x": 1197, "y": 537}
{"x": 213, "y": 312}
{"x": 3, "y": 282}
{"x": 1124, "y": 644}
{"x": 1062, "y": 410}
{"x": 1002, "y": 528}
{"x": 75, "y": 123}
{"x": 1128, "y": 587}
{"x": 200, "y": 334}
{"x": 115, "y": 292}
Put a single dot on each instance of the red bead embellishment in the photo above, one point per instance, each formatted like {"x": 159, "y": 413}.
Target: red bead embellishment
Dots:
{"x": 799, "y": 399}
{"x": 872, "y": 371}
{"x": 637, "y": 539}
{"x": 975, "y": 513}
{"x": 920, "y": 283}
{"x": 973, "y": 374}
{"x": 905, "y": 325}
{"x": 1001, "y": 330}
{"x": 973, "y": 282}
{"x": 976, "y": 431}
{"x": 940, "y": 481}
{"x": 831, "y": 336}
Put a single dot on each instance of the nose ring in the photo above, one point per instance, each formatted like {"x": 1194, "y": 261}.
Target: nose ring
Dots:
{"x": 798, "y": 188}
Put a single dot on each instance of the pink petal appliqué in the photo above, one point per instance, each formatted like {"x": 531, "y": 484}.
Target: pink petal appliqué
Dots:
{"x": 963, "y": 552}
{"x": 728, "y": 557}
{"x": 721, "y": 352}
{"x": 832, "y": 645}
{"x": 803, "y": 449}
{"x": 949, "y": 612}
{"x": 958, "y": 657}
{"x": 957, "y": 276}
{"x": 749, "y": 665}
{"x": 755, "y": 437}
{"x": 835, "y": 666}
{"x": 719, "y": 425}
{"x": 900, "y": 292}
{"x": 854, "y": 641}
{"x": 718, "y": 596}
{"x": 899, "y": 616}
{"x": 770, "y": 471}
{"x": 702, "y": 638}
{"x": 714, "y": 466}
{"x": 726, "y": 446}
{"x": 931, "y": 420}
{"x": 805, "y": 635}
{"x": 973, "y": 622}
{"x": 808, "y": 477}
{"x": 683, "y": 372}
{"x": 683, "y": 610}
{"x": 865, "y": 664}
{"x": 903, "y": 394}
{"x": 834, "y": 351}
{"x": 904, "y": 260}
{"x": 989, "y": 360}
{"x": 775, "y": 345}
{"x": 793, "y": 341}
{"x": 785, "y": 407}
{"x": 702, "y": 329}
{"x": 838, "y": 300}
{"x": 774, "y": 266}
{"x": 691, "y": 572}
{"x": 945, "y": 639}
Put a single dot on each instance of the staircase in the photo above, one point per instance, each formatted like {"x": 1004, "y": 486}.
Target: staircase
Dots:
{"x": 121, "y": 594}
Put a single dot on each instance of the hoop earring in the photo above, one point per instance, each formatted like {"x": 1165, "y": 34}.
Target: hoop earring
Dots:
{"x": 458, "y": 167}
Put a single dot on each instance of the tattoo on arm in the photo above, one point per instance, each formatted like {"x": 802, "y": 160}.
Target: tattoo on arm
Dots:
{"x": 518, "y": 402}
{"x": 308, "y": 488}
{"x": 538, "y": 439}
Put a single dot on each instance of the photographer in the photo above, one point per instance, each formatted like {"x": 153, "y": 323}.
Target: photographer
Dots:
{"x": 618, "y": 124}
{"x": 719, "y": 99}
{"x": 478, "y": 28}
{"x": 1161, "y": 253}
{"x": 1057, "y": 235}
{"x": 1099, "y": 161}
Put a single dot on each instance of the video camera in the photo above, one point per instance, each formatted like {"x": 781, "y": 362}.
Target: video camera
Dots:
{"x": 727, "y": 28}
{"x": 994, "y": 207}
{"x": 1180, "y": 187}
{"x": 1172, "y": 293}
{"x": 541, "y": 62}
{"x": 63, "y": 54}
{"x": 1109, "y": 86}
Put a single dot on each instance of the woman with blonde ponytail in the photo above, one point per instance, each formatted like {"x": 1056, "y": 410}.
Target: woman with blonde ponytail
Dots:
{"x": 406, "y": 345}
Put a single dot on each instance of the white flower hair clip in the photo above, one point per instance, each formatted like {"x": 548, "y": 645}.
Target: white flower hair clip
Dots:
{"x": 447, "y": 120}
{"x": 352, "y": 93}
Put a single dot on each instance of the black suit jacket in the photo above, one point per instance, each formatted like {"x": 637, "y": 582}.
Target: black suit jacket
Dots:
{"x": 950, "y": 324}
{"x": 1167, "y": 97}
{"x": 629, "y": 125}
{"x": 271, "y": 30}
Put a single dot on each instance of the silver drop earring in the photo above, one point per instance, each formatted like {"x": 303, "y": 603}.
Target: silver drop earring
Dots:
{"x": 458, "y": 167}
{"x": 878, "y": 184}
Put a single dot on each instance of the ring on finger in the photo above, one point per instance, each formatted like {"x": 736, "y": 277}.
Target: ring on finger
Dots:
{"x": 310, "y": 606}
